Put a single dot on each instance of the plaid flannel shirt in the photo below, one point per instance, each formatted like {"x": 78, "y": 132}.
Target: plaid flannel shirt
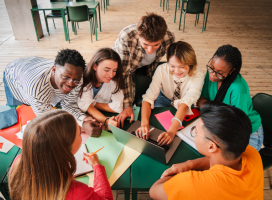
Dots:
{"x": 131, "y": 52}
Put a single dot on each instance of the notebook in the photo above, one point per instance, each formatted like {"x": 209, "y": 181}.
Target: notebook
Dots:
{"x": 82, "y": 167}
{"x": 185, "y": 135}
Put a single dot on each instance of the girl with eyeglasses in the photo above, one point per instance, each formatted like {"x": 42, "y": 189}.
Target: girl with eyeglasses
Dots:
{"x": 102, "y": 86}
{"x": 224, "y": 83}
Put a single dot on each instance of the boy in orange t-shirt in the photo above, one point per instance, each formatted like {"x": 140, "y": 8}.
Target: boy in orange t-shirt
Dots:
{"x": 231, "y": 169}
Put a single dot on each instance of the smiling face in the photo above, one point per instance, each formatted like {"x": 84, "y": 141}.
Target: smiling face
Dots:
{"x": 149, "y": 47}
{"x": 105, "y": 70}
{"x": 65, "y": 78}
{"x": 77, "y": 142}
{"x": 177, "y": 68}
{"x": 221, "y": 67}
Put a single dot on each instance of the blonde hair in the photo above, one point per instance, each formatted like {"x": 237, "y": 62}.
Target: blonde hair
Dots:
{"x": 185, "y": 53}
{"x": 45, "y": 169}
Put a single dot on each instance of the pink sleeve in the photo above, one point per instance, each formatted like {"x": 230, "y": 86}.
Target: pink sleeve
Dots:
{"x": 101, "y": 183}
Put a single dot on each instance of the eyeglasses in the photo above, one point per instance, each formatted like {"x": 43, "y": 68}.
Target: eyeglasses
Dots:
{"x": 193, "y": 134}
{"x": 68, "y": 79}
{"x": 218, "y": 75}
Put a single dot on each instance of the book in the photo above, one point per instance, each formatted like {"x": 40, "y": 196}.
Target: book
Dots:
{"x": 185, "y": 134}
{"x": 81, "y": 166}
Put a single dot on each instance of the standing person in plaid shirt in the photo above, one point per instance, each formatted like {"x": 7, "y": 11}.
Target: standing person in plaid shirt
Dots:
{"x": 139, "y": 45}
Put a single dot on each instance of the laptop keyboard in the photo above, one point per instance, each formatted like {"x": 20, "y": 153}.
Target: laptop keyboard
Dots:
{"x": 165, "y": 147}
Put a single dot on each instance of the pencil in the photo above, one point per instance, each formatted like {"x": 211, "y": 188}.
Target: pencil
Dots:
{"x": 96, "y": 151}
{"x": 92, "y": 153}
{"x": 149, "y": 130}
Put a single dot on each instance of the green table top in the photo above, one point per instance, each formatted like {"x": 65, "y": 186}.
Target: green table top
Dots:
{"x": 62, "y": 5}
{"x": 6, "y": 160}
{"x": 146, "y": 171}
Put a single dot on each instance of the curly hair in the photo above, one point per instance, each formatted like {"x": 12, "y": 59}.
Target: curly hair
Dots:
{"x": 70, "y": 56}
{"x": 152, "y": 27}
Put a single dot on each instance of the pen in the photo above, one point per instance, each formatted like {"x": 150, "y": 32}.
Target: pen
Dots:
{"x": 149, "y": 130}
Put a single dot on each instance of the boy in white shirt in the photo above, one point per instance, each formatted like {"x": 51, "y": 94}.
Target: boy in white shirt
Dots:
{"x": 176, "y": 83}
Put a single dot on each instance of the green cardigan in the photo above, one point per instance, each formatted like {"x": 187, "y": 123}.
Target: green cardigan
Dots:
{"x": 237, "y": 95}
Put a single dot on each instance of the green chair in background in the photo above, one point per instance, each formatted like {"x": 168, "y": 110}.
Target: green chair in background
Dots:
{"x": 193, "y": 7}
{"x": 79, "y": 14}
{"x": 53, "y": 14}
{"x": 262, "y": 103}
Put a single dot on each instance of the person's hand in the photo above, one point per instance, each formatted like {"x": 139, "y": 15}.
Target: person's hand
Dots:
{"x": 92, "y": 128}
{"x": 89, "y": 118}
{"x": 112, "y": 121}
{"x": 201, "y": 101}
{"x": 175, "y": 169}
{"x": 165, "y": 138}
{"x": 143, "y": 132}
{"x": 127, "y": 112}
{"x": 93, "y": 160}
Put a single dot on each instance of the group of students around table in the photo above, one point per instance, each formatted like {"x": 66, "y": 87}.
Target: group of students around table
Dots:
{"x": 229, "y": 133}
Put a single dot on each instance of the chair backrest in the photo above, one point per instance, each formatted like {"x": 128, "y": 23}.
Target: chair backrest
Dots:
{"x": 195, "y": 6}
{"x": 262, "y": 103}
{"x": 77, "y": 13}
{"x": 57, "y": 12}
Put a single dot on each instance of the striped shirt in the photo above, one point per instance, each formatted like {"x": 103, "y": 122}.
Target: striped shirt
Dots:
{"x": 29, "y": 81}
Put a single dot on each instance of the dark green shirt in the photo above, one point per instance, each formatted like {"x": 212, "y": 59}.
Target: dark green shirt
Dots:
{"x": 237, "y": 95}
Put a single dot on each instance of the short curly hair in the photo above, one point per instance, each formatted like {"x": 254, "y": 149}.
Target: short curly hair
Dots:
{"x": 70, "y": 56}
{"x": 152, "y": 27}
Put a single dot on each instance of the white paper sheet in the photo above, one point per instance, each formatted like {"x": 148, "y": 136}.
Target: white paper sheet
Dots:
{"x": 82, "y": 166}
{"x": 7, "y": 145}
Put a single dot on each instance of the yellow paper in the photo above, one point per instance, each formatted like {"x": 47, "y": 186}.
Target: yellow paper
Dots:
{"x": 126, "y": 158}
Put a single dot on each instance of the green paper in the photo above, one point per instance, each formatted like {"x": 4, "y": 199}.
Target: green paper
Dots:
{"x": 83, "y": 179}
{"x": 136, "y": 111}
{"x": 109, "y": 154}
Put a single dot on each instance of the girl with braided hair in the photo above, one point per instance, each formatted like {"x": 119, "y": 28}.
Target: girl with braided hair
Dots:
{"x": 224, "y": 83}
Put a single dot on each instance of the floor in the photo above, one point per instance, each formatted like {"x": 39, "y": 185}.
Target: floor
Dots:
{"x": 245, "y": 24}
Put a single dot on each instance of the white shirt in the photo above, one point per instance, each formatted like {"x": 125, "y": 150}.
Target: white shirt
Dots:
{"x": 148, "y": 59}
{"x": 163, "y": 80}
{"x": 105, "y": 95}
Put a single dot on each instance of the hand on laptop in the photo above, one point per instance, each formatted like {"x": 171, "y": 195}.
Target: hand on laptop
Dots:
{"x": 143, "y": 132}
{"x": 127, "y": 112}
{"x": 165, "y": 138}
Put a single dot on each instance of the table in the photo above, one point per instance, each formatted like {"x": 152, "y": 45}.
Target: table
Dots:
{"x": 182, "y": 6}
{"x": 146, "y": 171}
{"x": 6, "y": 161}
{"x": 62, "y": 7}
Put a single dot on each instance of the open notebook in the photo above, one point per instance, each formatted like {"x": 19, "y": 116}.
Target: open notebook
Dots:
{"x": 185, "y": 135}
{"x": 82, "y": 167}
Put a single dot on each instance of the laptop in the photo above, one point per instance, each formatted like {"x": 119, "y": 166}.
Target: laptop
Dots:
{"x": 148, "y": 147}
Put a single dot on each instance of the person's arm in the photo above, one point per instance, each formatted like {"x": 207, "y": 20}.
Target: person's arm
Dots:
{"x": 157, "y": 191}
{"x": 101, "y": 183}
{"x": 198, "y": 164}
{"x": 104, "y": 107}
{"x": 200, "y": 101}
{"x": 145, "y": 115}
{"x": 167, "y": 137}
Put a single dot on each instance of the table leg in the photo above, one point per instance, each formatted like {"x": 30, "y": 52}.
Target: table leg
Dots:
{"x": 64, "y": 25}
{"x": 35, "y": 26}
{"x": 163, "y": 5}
{"x": 207, "y": 15}
{"x": 175, "y": 11}
{"x": 181, "y": 14}
{"x": 99, "y": 16}
{"x": 134, "y": 194}
{"x": 46, "y": 23}
{"x": 127, "y": 194}
{"x": 95, "y": 24}
{"x": 104, "y": 6}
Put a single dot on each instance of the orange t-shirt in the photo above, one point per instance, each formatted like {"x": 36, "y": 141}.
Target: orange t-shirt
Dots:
{"x": 220, "y": 182}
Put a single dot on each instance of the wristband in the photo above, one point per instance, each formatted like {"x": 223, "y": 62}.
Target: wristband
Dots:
{"x": 105, "y": 121}
{"x": 177, "y": 120}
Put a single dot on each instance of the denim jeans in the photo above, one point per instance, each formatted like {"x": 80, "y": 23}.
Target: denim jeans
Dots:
{"x": 162, "y": 101}
{"x": 11, "y": 101}
{"x": 256, "y": 139}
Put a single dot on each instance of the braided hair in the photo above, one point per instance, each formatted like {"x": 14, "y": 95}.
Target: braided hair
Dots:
{"x": 233, "y": 57}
